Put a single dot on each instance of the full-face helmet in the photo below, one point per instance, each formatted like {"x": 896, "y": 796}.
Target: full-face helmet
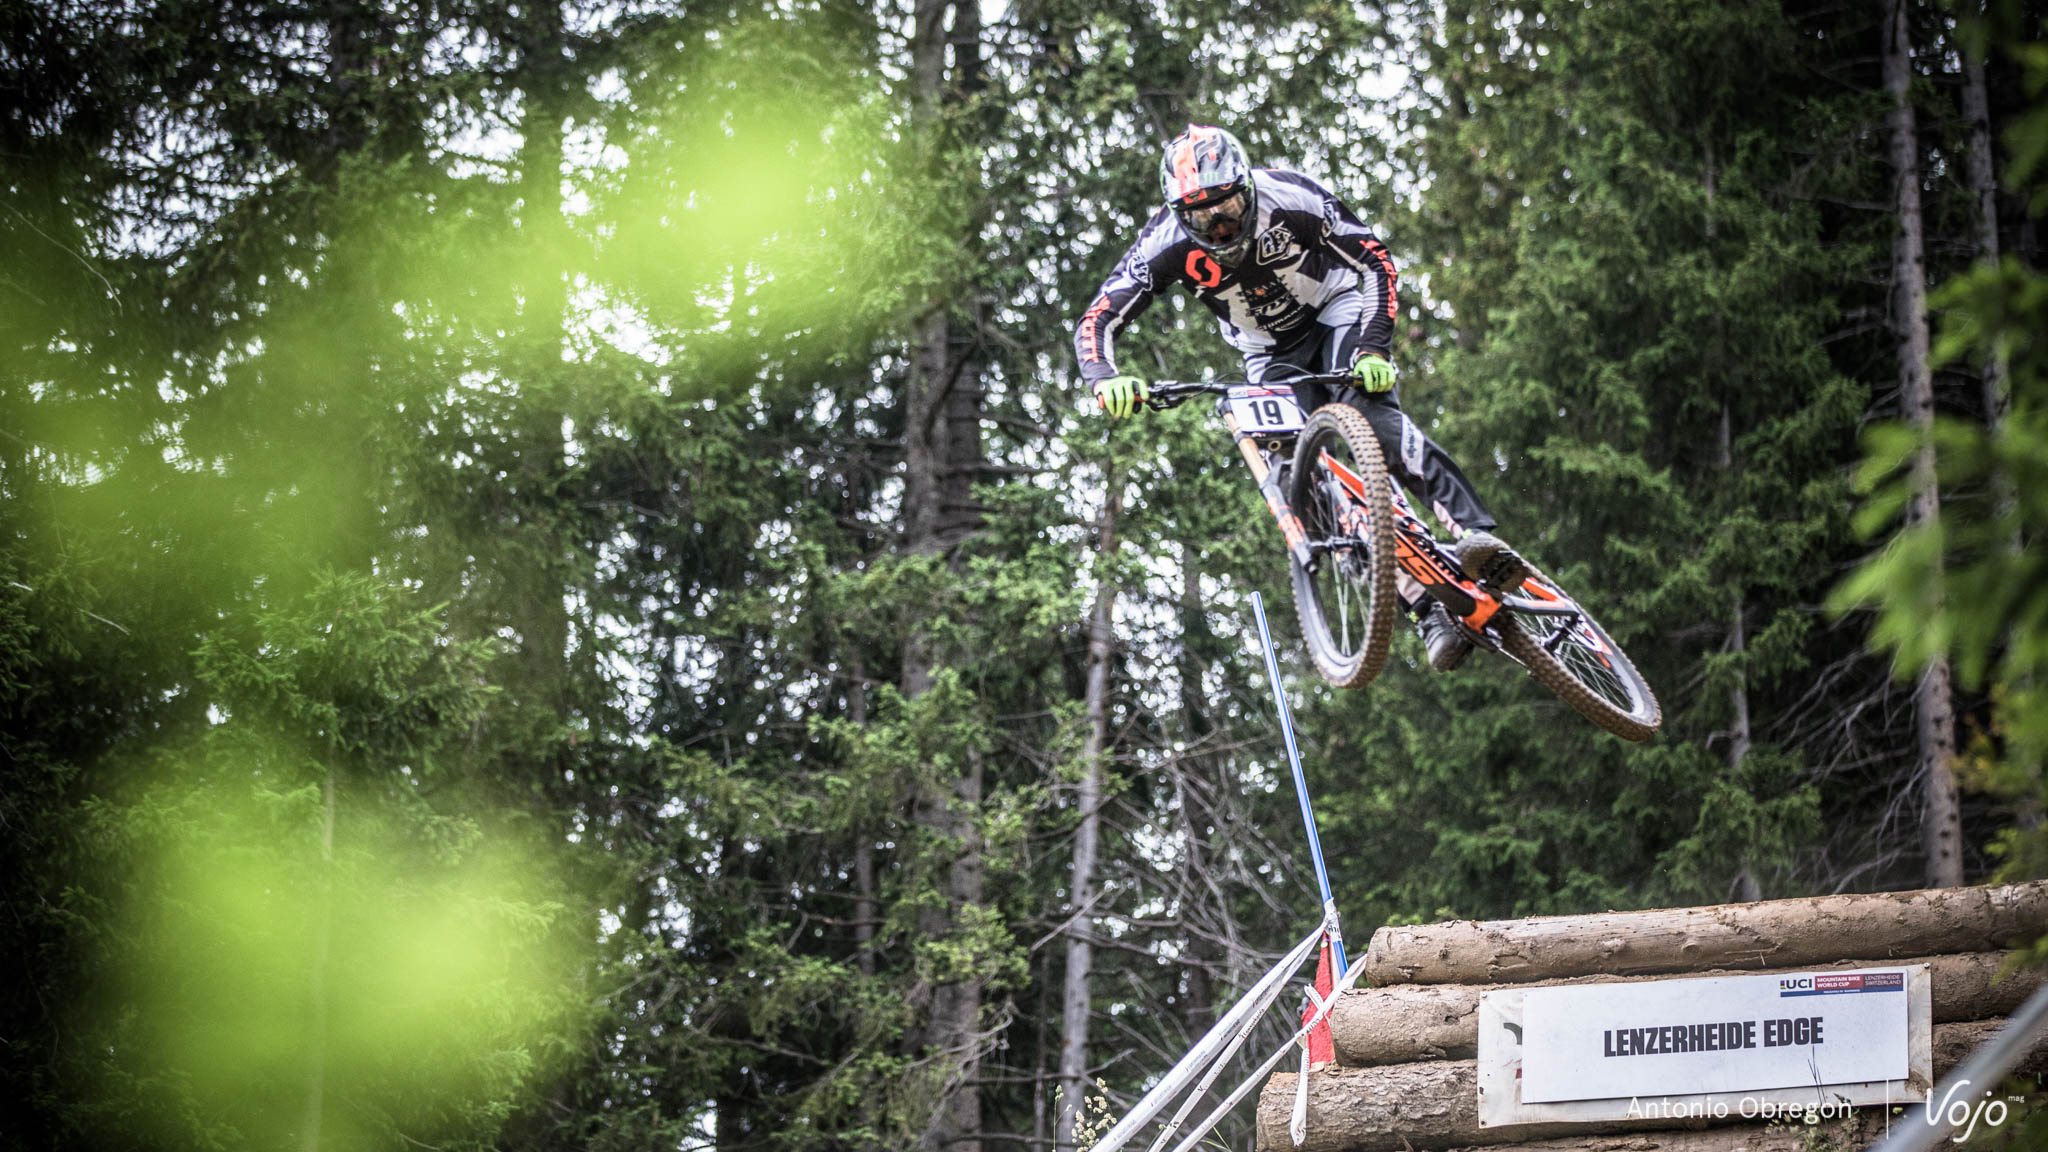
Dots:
{"x": 1208, "y": 183}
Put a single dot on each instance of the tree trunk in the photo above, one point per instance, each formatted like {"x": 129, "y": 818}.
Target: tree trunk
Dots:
{"x": 1984, "y": 189}
{"x": 1744, "y": 886}
{"x": 866, "y": 909}
{"x": 350, "y": 49}
{"x": 1770, "y": 934}
{"x": 1739, "y": 738}
{"x": 543, "y": 621}
{"x": 1738, "y": 692}
{"x": 924, "y": 446}
{"x": 1078, "y": 1000}
{"x": 323, "y": 929}
{"x": 1194, "y": 636}
{"x": 1941, "y": 827}
{"x": 933, "y": 370}
{"x": 955, "y": 1030}
{"x": 1407, "y": 1023}
{"x": 1983, "y": 179}
{"x": 942, "y": 459}
{"x": 1203, "y": 954}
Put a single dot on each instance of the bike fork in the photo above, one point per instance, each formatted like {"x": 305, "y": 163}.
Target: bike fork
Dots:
{"x": 1284, "y": 515}
{"x": 1268, "y": 478}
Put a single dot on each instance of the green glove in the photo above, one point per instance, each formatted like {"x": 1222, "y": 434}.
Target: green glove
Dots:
{"x": 1375, "y": 372}
{"x": 1121, "y": 395}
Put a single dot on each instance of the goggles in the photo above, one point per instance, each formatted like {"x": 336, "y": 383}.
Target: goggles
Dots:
{"x": 1221, "y": 222}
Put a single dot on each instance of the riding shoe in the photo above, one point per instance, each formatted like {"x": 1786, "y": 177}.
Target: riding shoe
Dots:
{"x": 1487, "y": 559}
{"x": 1447, "y": 646}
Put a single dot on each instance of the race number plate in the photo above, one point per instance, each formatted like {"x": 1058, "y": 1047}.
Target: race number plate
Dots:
{"x": 1264, "y": 410}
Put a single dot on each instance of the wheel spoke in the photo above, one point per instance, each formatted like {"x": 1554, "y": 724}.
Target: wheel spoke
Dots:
{"x": 1572, "y": 656}
{"x": 1342, "y": 593}
{"x": 1590, "y": 671}
{"x": 1581, "y": 662}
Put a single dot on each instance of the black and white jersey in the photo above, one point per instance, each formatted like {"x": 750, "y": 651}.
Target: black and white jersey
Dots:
{"x": 1310, "y": 260}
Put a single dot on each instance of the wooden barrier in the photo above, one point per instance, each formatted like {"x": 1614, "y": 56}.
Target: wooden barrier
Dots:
{"x": 1852, "y": 1132}
{"x": 1409, "y": 1022}
{"x": 1436, "y": 1104}
{"x": 1766, "y": 934}
{"x": 1406, "y": 1075}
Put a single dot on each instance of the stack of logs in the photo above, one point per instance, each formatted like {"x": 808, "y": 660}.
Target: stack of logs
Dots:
{"x": 1406, "y": 1074}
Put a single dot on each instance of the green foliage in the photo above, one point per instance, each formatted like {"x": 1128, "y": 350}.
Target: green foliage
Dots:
{"x": 370, "y": 688}
{"x": 1969, "y": 586}
{"x": 294, "y": 899}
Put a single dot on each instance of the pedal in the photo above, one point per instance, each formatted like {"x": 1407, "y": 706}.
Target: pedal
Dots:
{"x": 1505, "y": 572}
{"x": 1487, "y": 559}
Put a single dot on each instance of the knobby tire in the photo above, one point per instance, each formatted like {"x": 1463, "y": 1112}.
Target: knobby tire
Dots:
{"x": 1360, "y": 574}
{"x": 1591, "y": 688}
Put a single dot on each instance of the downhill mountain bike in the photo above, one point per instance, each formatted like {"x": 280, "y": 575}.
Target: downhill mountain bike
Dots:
{"x": 1355, "y": 546}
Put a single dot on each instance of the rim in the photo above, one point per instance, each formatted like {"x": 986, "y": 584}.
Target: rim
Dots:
{"x": 1342, "y": 577}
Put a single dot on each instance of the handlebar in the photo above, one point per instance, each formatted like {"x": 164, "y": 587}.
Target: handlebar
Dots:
{"x": 1171, "y": 393}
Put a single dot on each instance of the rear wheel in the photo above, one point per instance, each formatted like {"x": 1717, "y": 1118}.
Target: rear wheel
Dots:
{"x": 1339, "y": 488}
{"x": 1576, "y": 658}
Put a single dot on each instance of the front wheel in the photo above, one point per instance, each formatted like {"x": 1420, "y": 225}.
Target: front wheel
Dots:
{"x": 1345, "y": 598}
{"x": 1574, "y": 657}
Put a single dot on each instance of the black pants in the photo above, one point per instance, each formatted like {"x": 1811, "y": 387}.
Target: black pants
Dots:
{"x": 1417, "y": 462}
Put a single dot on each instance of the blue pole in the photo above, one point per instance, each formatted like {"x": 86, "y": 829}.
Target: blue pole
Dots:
{"x": 1308, "y": 816}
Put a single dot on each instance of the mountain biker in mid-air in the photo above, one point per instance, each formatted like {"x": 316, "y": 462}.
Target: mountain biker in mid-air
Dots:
{"x": 1296, "y": 280}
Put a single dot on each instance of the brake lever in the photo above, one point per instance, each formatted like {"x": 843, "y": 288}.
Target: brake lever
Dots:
{"x": 1159, "y": 402}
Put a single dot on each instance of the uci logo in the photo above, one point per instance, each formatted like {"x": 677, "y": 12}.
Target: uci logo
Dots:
{"x": 1796, "y": 984}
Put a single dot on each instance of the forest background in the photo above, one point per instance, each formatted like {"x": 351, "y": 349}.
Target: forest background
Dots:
{"x": 558, "y": 588}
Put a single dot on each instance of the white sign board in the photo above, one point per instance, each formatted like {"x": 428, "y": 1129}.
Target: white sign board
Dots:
{"x": 1691, "y": 1047}
{"x": 1667, "y": 1037}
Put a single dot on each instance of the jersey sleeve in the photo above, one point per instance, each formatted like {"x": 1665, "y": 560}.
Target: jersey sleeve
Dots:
{"x": 1355, "y": 245}
{"x": 1127, "y": 293}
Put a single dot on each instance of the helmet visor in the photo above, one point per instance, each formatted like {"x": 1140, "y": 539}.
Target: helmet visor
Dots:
{"x": 1220, "y": 223}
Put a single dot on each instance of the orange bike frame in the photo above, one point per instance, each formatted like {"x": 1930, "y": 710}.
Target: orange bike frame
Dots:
{"x": 1415, "y": 547}
{"x": 1416, "y": 551}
